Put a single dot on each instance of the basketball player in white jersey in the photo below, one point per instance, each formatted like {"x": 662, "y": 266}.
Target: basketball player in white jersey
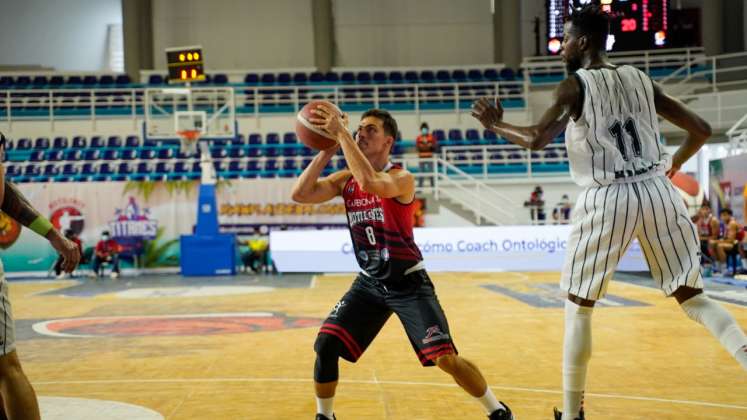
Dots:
{"x": 612, "y": 136}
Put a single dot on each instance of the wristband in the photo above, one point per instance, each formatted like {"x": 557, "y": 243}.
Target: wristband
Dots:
{"x": 41, "y": 226}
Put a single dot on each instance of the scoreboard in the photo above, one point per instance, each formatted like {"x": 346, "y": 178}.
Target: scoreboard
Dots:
{"x": 634, "y": 24}
{"x": 185, "y": 64}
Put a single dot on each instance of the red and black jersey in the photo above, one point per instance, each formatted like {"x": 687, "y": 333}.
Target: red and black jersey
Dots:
{"x": 381, "y": 231}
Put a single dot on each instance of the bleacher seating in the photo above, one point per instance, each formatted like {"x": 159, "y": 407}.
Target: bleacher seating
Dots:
{"x": 109, "y": 158}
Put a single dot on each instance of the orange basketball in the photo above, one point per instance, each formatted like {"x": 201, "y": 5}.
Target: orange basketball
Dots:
{"x": 310, "y": 135}
{"x": 686, "y": 183}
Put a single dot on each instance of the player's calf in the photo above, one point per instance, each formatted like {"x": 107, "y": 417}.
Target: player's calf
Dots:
{"x": 717, "y": 320}
{"x": 468, "y": 376}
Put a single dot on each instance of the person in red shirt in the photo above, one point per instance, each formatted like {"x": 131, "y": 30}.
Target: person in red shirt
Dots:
{"x": 107, "y": 250}
{"x": 69, "y": 234}
{"x": 426, "y": 145}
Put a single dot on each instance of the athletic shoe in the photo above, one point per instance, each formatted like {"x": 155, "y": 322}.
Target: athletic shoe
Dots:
{"x": 559, "y": 414}
{"x": 501, "y": 414}
{"x": 320, "y": 416}
{"x": 114, "y": 275}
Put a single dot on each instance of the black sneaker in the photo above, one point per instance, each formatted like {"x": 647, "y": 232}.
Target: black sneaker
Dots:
{"x": 559, "y": 414}
{"x": 320, "y": 416}
{"x": 501, "y": 414}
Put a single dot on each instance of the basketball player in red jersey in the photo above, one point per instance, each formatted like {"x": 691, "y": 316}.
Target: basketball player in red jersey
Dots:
{"x": 379, "y": 204}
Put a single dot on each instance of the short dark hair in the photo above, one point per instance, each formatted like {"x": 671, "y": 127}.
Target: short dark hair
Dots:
{"x": 727, "y": 211}
{"x": 593, "y": 22}
{"x": 389, "y": 123}
{"x": 424, "y": 125}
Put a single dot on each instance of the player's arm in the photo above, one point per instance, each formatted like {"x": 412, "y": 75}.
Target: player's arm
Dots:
{"x": 674, "y": 111}
{"x": 18, "y": 208}
{"x": 310, "y": 189}
{"x": 397, "y": 183}
{"x": 566, "y": 104}
{"x": 714, "y": 229}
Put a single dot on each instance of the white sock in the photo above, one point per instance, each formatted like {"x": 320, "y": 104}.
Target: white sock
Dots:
{"x": 489, "y": 402}
{"x": 324, "y": 406}
{"x": 719, "y": 322}
{"x": 576, "y": 355}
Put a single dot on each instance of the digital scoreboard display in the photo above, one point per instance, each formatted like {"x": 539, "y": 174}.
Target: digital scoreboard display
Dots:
{"x": 634, "y": 24}
{"x": 185, "y": 64}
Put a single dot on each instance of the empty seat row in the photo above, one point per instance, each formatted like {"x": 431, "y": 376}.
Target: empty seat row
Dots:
{"x": 59, "y": 81}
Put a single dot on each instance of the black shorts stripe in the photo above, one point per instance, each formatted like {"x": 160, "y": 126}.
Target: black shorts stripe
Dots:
{"x": 650, "y": 106}
{"x": 609, "y": 246}
{"x": 580, "y": 236}
{"x": 647, "y": 242}
{"x": 658, "y": 235}
{"x": 599, "y": 241}
{"x": 594, "y": 113}
{"x": 588, "y": 239}
{"x": 679, "y": 228}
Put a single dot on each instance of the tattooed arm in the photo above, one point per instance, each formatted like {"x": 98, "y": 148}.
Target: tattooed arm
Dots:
{"x": 15, "y": 205}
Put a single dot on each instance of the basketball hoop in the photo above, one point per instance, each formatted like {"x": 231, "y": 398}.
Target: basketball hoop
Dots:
{"x": 189, "y": 140}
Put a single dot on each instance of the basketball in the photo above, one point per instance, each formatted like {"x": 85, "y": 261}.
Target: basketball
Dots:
{"x": 310, "y": 135}
{"x": 689, "y": 190}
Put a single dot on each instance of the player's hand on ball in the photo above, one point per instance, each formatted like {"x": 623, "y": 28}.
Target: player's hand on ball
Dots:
{"x": 329, "y": 120}
{"x": 487, "y": 113}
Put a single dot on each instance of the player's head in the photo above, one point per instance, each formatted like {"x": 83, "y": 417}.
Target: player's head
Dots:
{"x": 705, "y": 209}
{"x": 585, "y": 34}
{"x": 726, "y": 214}
{"x": 376, "y": 133}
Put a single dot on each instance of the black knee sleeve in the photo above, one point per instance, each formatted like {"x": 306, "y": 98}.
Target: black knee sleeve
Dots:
{"x": 327, "y": 357}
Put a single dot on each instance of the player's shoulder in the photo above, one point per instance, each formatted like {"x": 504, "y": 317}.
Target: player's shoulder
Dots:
{"x": 399, "y": 171}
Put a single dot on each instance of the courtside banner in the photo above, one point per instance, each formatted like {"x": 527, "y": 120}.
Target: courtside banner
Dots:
{"x": 500, "y": 248}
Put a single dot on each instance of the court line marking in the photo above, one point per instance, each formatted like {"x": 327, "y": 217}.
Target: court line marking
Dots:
{"x": 312, "y": 283}
{"x": 379, "y": 383}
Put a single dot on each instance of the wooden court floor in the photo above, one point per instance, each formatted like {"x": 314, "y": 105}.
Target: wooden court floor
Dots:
{"x": 242, "y": 349}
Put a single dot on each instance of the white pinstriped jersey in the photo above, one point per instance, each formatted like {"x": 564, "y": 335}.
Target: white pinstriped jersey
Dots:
{"x": 616, "y": 138}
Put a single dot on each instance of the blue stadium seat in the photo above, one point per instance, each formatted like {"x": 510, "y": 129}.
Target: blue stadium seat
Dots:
{"x": 271, "y": 165}
{"x": 87, "y": 169}
{"x": 459, "y": 76}
{"x": 97, "y": 142}
{"x": 74, "y": 81}
{"x": 106, "y": 80}
{"x": 271, "y": 152}
{"x": 90, "y": 154}
{"x": 41, "y": 143}
{"x": 316, "y": 77}
{"x": 69, "y": 169}
{"x": 395, "y": 77}
{"x": 59, "y": 142}
{"x": 289, "y": 138}
{"x": 128, "y": 154}
{"x": 218, "y": 153}
{"x": 347, "y": 78}
{"x": 290, "y": 151}
{"x": 490, "y": 75}
{"x": 124, "y": 168}
{"x": 363, "y": 77}
{"x": 474, "y": 75}
{"x": 39, "y": 82}
{"x": 122, "y": 79}
{"x": 236, "y": 152}
{"x": 72, "y": 155}
{"x": 36, "y": 156}
{"x": 147, "y": 154}
{"x": 143, "y": 168}
{"x": 114, "y": 142}
{"x": 79, "y": 142}
{"x": 267, "y": 79}
{"x": 155, "y": 79}
{"x": 443, "y": 76}
{"x": 300, "y": 78}
{"x": 23, "y": 144}
{"x": 427, "y": 76}
{"x": 150, "y": 143}
{"x": 472, "y": 135}
{"x": 31, "y": 170}
{"x": 255, "y": 138}
{"x": 379, "y": 77}
{"x": 54, "y": 155}
{"x": 251, "y": 79}
{"x": 507, "y": 74}
{"x": 252, "y": 165}
{"x": 284, "y": 79}
{"x": 411, "y": 77}
{"x": 234, "y": 166}
{"x": 23, "y": 81}
{"x": 220, "y": 79}
{"x": 254, "y": 152}
{"x": 455, "y": 134}
{"x": 439, "y": 135}
{"x": 109, "y": 154}
{"x": 272, "y": 138}
{"x": 132, "y": 141}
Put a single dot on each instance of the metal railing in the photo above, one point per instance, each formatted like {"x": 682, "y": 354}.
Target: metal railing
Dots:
{"x": 737, "y": 136}
{"x": 645, "y": 60}
{"x": 113, "y": 103}
{"x": 719, "y": 71}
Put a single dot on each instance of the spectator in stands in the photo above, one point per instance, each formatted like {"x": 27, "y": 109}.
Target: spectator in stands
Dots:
{"x": 561, "y": 214}
{"x": 107, "y": 251}
{"x": 426, "y": 145}
{"x": 536, "y": 205}
{"x": 69, "y": 234}
{"x": 708, "y": 229}
{"x": 255, "y": 258}
{"x": 728, "y": 239}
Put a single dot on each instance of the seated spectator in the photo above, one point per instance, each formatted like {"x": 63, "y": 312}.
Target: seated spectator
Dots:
{"x": 256, "y": 257}
{"x": 708, "y": 229}
{"x": 536, "y": 205}
{"x": 727, "y": 239}
{"x": 107, "y": 251}
{"x": 561, "y": 214}
{"x": 69, "y": 234}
